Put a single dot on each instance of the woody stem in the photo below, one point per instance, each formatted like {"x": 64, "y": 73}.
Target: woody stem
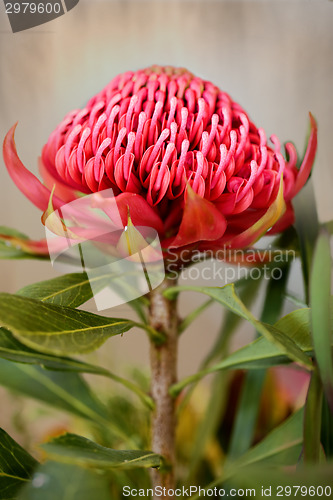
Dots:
{"x": 163, "y": 362}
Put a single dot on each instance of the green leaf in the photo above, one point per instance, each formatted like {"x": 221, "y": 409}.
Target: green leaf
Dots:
{"x": 12, "y": 350}
{"x": 247, "y": 289}
{"x": 66, "y": 391}
{"x": 193, "y": 315}
{"x": 307, "y": 227}
{"x": 249, "y": 402}
{"x": 62, "y": 390}
{"x": 282, "y": 447}
{"x": 329, "y": 226}
{"x": 327, "y": 430}
{"x": 260, "y": 353}
{"x": 312, "y": 419}
{"x": 16, "y": 466}
{"x": 56, "y": 481}
{"x": 227, "y": 297}
{"x": 74, "y": 449}
{"x": 70, "y": 290}
{"x": 304, "y": 482}
{"x": 209, "y": 425}
{"x": 320, "y": 289}
{"x": 57, "y": 329}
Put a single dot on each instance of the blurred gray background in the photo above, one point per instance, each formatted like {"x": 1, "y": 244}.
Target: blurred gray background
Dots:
{"x": 273, "y": 57}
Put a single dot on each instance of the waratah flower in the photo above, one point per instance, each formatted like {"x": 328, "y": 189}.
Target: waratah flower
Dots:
{"x": 180, "y": 156}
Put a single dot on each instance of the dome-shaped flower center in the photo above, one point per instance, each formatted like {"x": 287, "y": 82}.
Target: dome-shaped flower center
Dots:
{"x": 155, "y": 131}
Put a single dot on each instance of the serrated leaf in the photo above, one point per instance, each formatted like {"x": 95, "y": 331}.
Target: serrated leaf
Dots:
{"x": 16, "y": 466}
{"x": 226, "y": 296}
{"x": 56, "y": 481}
{"x": 12, "y": 350}
{"x": 320, "y": 289}
{"x": 74, "y": 449}
{"x": 57, "y": 329}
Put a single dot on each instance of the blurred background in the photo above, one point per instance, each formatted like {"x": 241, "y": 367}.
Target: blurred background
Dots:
{"x": 273, "y": 57}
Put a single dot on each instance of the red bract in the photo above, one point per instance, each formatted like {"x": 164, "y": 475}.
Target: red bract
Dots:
{"x": 180, "y": 156}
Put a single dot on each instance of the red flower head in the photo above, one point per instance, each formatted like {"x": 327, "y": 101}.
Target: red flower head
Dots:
{"x": 180, "y": 156}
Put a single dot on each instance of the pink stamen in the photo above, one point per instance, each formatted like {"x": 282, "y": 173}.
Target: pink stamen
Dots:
{"x": 133, "y": 101}
{"x": 206, "y": 147}
{"x": 164, "y": 165}
{"x": 200, "y": 116}
{"x": 276, "y": 142}
{"x": 244, "y": 132}
{"x": 98, "y": 106}
{"x": 173, "y": 128}
{"x": 114, "y": 100}
{"x": 142, "y": 121}
{"x": 184, "y": 115}
{"x": 128, "y": 151}
{"x": 199, "y": 170}
{"x": 79, "y": 117}
{"x": 233, "y": 144}
{"x": 152, "y": 86}
{"x": 96, "y": 131}
{"x": 291, "y": 150}
{"x": 222, "y": 165}
{"x": 250, "y": 181}
{"x": 262, "y": 135}
{"x": 281, "y": 161}
{"x": 120, "y": 138}
{"x": 98, "y": 157}
{"x": 85, "y": 134}
{"x": 164, "y": 135}
{"x": 111, "y": 119}
{"x": 69, "y": 143}
{"x": 173, "y": 106}
{"x": 181, "y": 163}
{"x": 227, "y": 117}
{"x": 263, "y": 161}
{"x": 156, "y": 115}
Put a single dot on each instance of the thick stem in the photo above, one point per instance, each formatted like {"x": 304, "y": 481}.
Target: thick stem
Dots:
{"x": 163, "y": 361}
